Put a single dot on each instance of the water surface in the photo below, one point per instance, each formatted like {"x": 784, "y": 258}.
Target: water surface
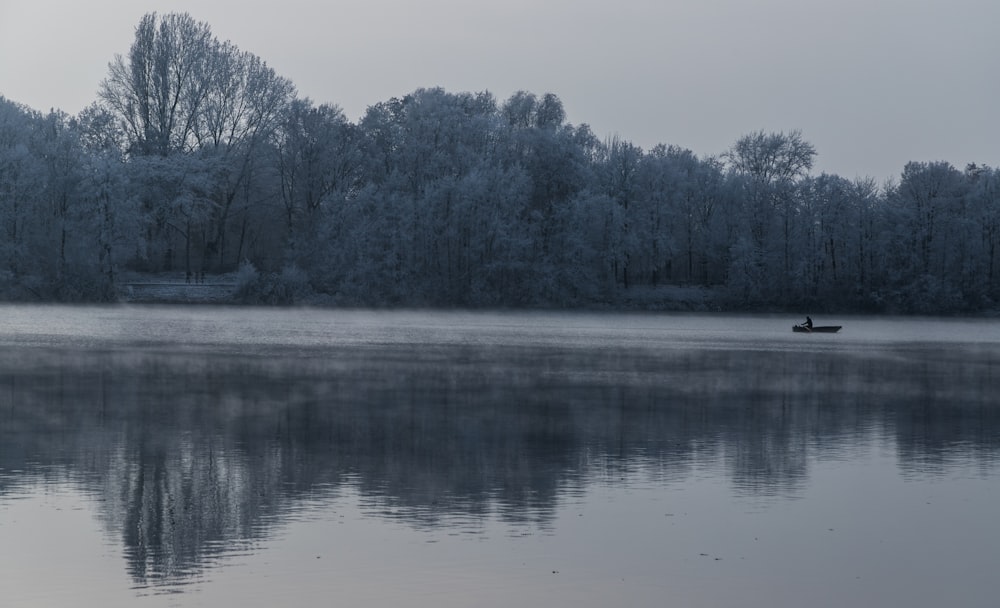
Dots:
{"x": 173, "y": 456}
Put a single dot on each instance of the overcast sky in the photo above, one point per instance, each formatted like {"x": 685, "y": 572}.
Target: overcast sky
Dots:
{"x": 871, "y": 84}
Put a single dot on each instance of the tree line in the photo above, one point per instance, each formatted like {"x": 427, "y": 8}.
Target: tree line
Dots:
{"x": 197, "y": 157}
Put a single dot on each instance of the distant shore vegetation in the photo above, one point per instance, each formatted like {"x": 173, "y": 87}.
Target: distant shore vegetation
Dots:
{"x": 198, "y": 158}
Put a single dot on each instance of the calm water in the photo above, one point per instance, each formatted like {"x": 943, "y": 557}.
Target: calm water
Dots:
{"x": 215, "y": 456}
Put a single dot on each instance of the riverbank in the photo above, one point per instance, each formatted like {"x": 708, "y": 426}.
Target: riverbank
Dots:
{"x": 290, "y": 288}
{"x": 178, "y": 288}
{"x": 231, "y": 288}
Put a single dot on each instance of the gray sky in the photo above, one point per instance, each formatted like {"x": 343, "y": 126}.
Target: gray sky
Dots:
{"x": 871, "y": 84}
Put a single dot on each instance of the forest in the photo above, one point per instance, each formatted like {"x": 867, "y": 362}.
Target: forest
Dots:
{"x": 198, "y": 159}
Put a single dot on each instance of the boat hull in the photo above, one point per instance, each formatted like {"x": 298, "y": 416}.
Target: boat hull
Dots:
{"x": 819, "y": 329}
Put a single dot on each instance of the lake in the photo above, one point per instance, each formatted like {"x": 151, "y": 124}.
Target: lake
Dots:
{"x": 208, "y": 456}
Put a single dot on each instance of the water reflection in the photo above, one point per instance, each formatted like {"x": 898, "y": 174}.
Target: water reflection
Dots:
{"x": 193, "y": 455}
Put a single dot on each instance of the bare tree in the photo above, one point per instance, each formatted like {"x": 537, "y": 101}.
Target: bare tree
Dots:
{"x": 181, "y": 92}
{"x": 158, "y": 90}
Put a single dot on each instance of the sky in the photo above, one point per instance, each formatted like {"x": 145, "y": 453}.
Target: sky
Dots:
{"x": 872, "y": 84}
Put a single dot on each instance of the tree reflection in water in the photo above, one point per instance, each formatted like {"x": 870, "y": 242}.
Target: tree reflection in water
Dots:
{"x": 194, "y": 454}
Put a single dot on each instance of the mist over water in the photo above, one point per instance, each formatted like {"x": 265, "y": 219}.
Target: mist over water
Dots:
{"x": 206, "y": 455}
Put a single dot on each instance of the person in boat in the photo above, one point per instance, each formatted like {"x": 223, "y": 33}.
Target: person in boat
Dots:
{"x": 808, "y": 324}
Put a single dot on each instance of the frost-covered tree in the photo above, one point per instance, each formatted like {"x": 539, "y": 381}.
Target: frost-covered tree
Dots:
{"x": 826, "y": 267}
{"x": 635, "y": 232}
{"x": 768, "y": 167}
{"x": 175, "y": 195}
{"x": 984, "y": 212}
{"x": 22, "y": 184}
{"x": 47, "y": 238}
{"x": 677, "y": 215}
{"x": 318, "y": 161}
{"x": 929, "y": 215}
{"x": 61, "y": 151}
{"x": 431, "y": 158}
{"x": 519, "y": 110}
{"x": 110, "y": 205}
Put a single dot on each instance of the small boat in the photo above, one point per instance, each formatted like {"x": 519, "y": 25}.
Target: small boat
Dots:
{"x": 817, "y": 329}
